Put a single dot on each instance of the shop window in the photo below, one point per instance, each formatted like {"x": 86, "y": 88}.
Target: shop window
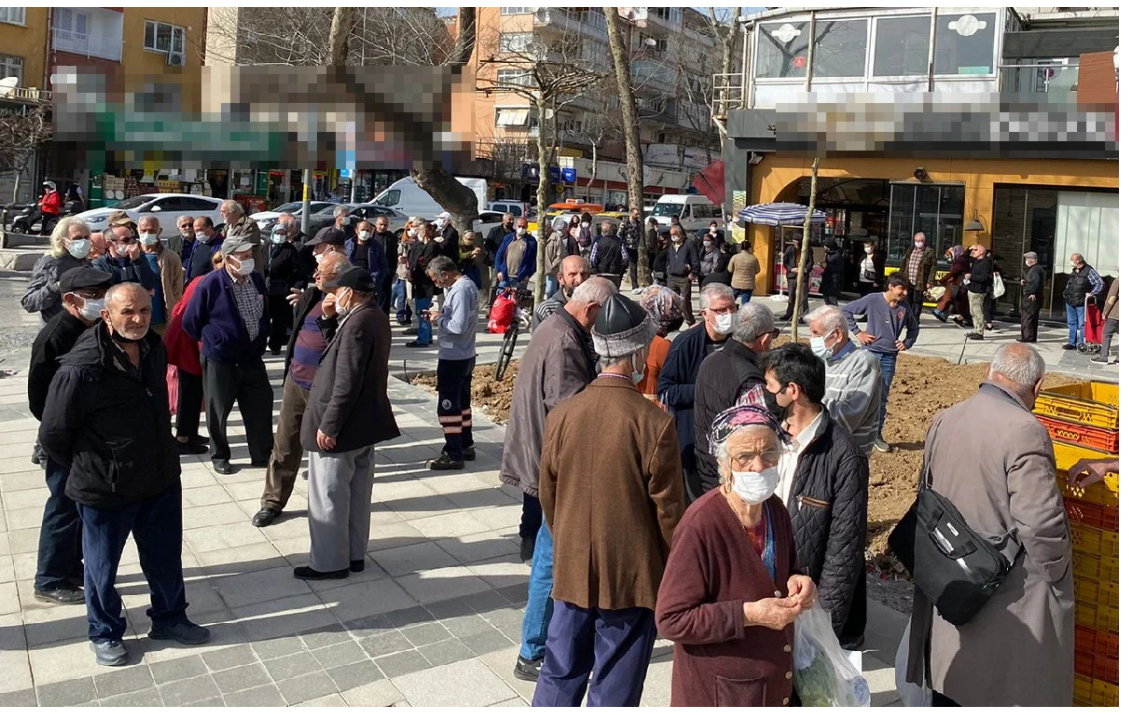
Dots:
{"x": 1087, "y": 224}
{"x": 934, "y": 209}
{"x": 964, "y": 44}
{"x": 13, "y": 15}
{"x": 902, "y": 46}
{"x": 12, "y": 67}
{"x": 782, "y": 49}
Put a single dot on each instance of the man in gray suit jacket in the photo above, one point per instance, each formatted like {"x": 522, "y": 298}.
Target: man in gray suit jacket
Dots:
{"x": 348, "y": 411}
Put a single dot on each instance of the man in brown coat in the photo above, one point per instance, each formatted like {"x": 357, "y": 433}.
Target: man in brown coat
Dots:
{"x": 612, "y": 497}
{"x": 347, "y": 412}
{"x": 993, "y": 460}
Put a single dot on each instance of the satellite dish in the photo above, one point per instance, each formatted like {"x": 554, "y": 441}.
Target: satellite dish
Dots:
{"x": 8, "y": 86}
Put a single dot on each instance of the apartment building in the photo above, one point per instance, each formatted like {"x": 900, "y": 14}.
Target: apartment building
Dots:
{"x": 1006, "y": 138}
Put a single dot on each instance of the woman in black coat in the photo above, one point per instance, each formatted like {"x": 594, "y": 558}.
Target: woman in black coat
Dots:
{"x": 284, "y": 271}
{"x": 832, "y": 280}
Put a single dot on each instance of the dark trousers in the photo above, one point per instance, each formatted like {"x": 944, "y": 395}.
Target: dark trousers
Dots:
{"x": 614, "y": 646}
{"x": 1029, "y": 319}
{"x": 286, "y": 455}
{"x": 1110, "y": 328}
{"x": 682, "y": 286}
{"x": 616, "y": 280}
{"x": 915, "y": 298}
{"x": 938, "y": 700}
{"x": 190, "y": 396}
{"x": 60, "y": 537}
{"x": 385, "y": 298}
{"x": 831, "y": 300}
{"x": 633, "y": 266}
{"x": 247, "y": 382}
{"x": 531, "y": 517}
{"x": 281, "y": 316}
{"x": 156, "y": 526}
{"x": 453, "y": 385}
{"x": 692, "y": 485}
{"x": 792, "y": 299}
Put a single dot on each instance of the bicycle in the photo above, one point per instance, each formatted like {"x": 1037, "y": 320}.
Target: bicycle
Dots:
{"x": 523, "y": 318}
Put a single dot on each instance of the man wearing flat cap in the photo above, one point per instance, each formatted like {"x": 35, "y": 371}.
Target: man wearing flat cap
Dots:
{"x": 1031, "y": 297}
{"x": 228, "y": 315}
{"x": 348, "y": 411}
{"x": 612, "y": 498}
{"x": 59, "y": 566}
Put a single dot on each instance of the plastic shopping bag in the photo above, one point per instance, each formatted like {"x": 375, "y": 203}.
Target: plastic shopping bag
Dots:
{"x": 825, "y": 676}
{"x": 935, "y": 294}
{"x": 911, "y": 695}
{"x": 998, "y": 285}
{"x": 501, "y": 314}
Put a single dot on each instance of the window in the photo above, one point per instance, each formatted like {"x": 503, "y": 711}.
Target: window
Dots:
{"x": 13, "y": 15}
{"x": 70, "y": 24}
{"x": 515, "y": 117}
{"x": 391, "y": 197}
{"x": 902, "y": 46}
{"x": 515, "y": 78}
{"x": 841, "y": 48}
{"x": 163, "y": 37}
{"x": 964, "y": 44}
{"x": 934, "y": 209}
{"x": 12, "y": 67}
{"x": 515, "y": 10}
{"x": 515, "y": 41}
{"x": 670, "y": 14}
{"x": 782, "y": 49}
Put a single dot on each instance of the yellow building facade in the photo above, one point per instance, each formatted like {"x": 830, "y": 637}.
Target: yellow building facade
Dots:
{"x": 23, "y": 44}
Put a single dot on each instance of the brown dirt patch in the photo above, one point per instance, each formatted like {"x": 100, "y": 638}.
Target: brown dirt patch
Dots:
{"x": 922, "y": 387}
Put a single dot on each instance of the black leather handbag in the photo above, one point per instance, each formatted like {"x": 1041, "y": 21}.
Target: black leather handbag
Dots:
{"x": 955, "y": 567}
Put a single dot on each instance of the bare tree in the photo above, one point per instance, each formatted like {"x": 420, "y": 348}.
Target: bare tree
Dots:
{"x": 550, "y": 73}
{"x": 628, "y": 110}
{"x": 25, "y": 127}
{"x": 507, "y": 154}
{"x": 801, "y": 268}
{"x": 726, "y": 31}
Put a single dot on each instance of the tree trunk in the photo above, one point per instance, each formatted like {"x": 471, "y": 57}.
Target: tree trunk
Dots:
{"x": 466, "y": 35}
{"x": 802, "y": 259}
{"x": 630, "y": 115}
{"x": 543, "y": 201}
{"x": 339, "y": 36}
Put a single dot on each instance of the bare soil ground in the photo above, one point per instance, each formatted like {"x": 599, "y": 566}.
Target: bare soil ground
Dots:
{"x": 922, "y": 387}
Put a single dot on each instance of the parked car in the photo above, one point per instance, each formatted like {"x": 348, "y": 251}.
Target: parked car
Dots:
{"x": 513, "y": 206}
{"x": 166, "y": 207}
{"x": 267, "y": 219}
{"x": 325, "y": 217}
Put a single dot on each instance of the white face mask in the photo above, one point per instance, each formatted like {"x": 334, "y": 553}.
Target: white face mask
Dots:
{"x": 338, "y": 302}
{"x": 584, "y": 224}
{"x": 520, "y": 231}
{"x": 201, "y": 236}
{"x": 412, "y": 232}
{"x": 278, "y": 237}
{"x": 363, "y": 235}
{"x": 319, "y": 257}
{"x": 91, "y": 308}
{"x": 148, "y": 239}
{"x": 868, "y": 250}
{"x": 724, "y": 323}
{"x": 637, "y": 375}
{"x": 755, "y": 487}
{"x": 919, "y": 244}
{"x": 246, "y": 266}
{"x": 79, "y": 247}
{"x": 820, "y": 348}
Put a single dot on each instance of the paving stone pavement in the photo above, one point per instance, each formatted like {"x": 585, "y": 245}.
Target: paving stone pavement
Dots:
{"x": 433, "y": 619}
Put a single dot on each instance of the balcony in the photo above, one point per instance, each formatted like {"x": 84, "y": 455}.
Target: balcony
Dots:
{"x": 87, "y": 45}
{"x": 653, "y": 73}
{"x": 586, "y": 22}
{"x": 89, "y": 32}
{"x": 1056, "y": 83}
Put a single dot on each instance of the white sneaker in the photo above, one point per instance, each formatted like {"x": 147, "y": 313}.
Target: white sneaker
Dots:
{"x": 637, "y": 291}
{"x": 882, "y": 446}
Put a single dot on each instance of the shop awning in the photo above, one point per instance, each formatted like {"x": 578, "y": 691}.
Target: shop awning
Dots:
{"x": 778, "y": 214}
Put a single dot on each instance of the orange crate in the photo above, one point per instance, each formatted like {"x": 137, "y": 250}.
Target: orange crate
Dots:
{"x": 1106, "y": 669}
{"x": 1100, "y": 517}
{"x": 1102, "y": 438}
{"x": 1108, "y": 569}
{"x": 1107, "y": 619}
{"x": 1086, "y": 614}
{"x": 1086, "y": 639}
{"x": 1106, "y": 644}
{"x": 1086, "y": 565}
{"x": 1086, "y": 591}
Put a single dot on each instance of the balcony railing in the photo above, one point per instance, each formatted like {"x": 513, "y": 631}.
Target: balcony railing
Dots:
{"x": 1054, "y": 83}
{"x": 25, "y": 94}
{"x": 590, "y": 22}
{"x": 653, "y": 72}
{"x": 89, "y": 45}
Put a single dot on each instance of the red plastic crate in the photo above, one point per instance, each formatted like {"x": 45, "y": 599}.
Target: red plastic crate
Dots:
{"x": 1086, "y": 639}
{"x": 1106, "y": 644}
{"x": 1102, "y": 438}
{"x": 1100, "y": 517}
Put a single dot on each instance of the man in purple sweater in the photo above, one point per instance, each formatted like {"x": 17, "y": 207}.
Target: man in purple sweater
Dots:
{"x": 886, "y": 315}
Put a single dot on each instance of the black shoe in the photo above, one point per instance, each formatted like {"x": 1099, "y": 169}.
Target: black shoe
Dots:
{"x": 409, "y": 331}
{"x": 940, "y": 315}
{"x": 444, "y": 462}
{"x": 1068, "y": 346}
{"x": 197, "y": 439}
{"x": 527, "y": 551}
{"x": 190, "y": 448}
{"x": 308, "y": 574}
{"x": 63, "y": 594}
{"x": 974, "y": 336}
{"x": 222, "y": 466}
{"x": 415, "y": 344}
{"x": 186, "y": 633}
{"x": 1102, "y": 360}
{"x": 357, "y": 566}
{"x": 264, "y": 517}
{"x": 110, "y": 653}
{"x": 468, "y": 454}
{"x": 276, "y": 351}
{"x": 306, "y": 475}
{"x": 527, "y": 670}
{"x": 260, "y": 463}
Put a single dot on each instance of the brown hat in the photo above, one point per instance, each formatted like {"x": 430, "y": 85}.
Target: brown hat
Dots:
{"x": 121, "y": 218}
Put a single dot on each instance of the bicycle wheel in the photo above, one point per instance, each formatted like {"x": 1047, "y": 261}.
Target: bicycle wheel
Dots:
{"x": 506, "y": 352}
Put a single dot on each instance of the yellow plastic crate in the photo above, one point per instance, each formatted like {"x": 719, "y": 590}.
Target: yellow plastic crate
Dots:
{"x": 1092, "y": 391}
{"x": 1067, "y": 455}
{"x": 1086, "y": 539}
{"x": 1084, "y": 690}
{"x": 1108, "y": 594}
{"x": 1107, "y": 619}
{"x": 1108, "y": 569}
{"x": 1086, "y": 591}
{"x": 1078, "y": 403}
{"x": 1104, "y": 694}
{"x": 1086, "y": 565}
{"x": 1086, "y": 614}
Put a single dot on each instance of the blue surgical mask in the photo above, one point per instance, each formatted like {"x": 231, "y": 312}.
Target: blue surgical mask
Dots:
{"x": 820, "y": 348}
{"x": 637, "y": 375}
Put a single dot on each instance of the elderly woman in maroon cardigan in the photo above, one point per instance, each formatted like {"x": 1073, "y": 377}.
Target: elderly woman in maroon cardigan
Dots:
{"x": 731, "y": 591}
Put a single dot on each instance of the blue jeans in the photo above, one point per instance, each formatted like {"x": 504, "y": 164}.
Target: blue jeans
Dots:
{"x": 60, "y": 538}
{"x": 551, "y": 285}
{"x": 400, "y": 301}
{"x": 423, "y": 327}
{"x": 539, "y": 606}
{"x": 743, "y": 295}
{"x": 887, "y": 370}
{"x": 156, "y": 526}
{"x": 1076, "y": 324}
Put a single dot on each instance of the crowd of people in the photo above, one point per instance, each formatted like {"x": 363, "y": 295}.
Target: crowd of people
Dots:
{"x": 707, "y": 489}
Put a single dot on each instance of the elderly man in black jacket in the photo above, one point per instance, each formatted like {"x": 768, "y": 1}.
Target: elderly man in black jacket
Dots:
{"x": 980, "y": 289}
{"x": 107, "y": 421}
{"x": 60, "y": 536}
{"x": 1032, "y": 297}
{"x": 723, "y": 378}
{"x": 823, "y": 481}
{"x": 348, "y": 412}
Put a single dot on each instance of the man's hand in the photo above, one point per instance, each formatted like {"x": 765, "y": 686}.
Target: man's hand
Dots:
{"x": 1031, "y": 297}
{"x": 865, "y": 337}
{"x": 134, "y": 251}
{"x": 432, "y": 317}
{"x": 1090, "y": 471}
{"x": 803, "y": 589}
{"x": 499, "y": 278}
{"x": 294, "y": 296}
{"x": 329, "y": 306}
{"x": 326, "y": 442}
{"x": 775, "y": 613}
{"x": 900, "y": 345}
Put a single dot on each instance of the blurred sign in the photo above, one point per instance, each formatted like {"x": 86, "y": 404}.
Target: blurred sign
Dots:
{"x": 569, "y": 176}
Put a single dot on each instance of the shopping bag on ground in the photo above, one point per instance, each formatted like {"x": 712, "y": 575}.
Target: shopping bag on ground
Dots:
{"x": 998, "y": 285}
{"x": 935, "y": 294}
{"x": 174, "y": 388}
{"x": 911, "y": 695}
{"x": 825, "y": 675}
{"x": 501, "y": 314}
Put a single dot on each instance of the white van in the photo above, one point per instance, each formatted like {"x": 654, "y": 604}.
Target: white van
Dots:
{"x": 695, "y": 211}
{"x": 408, "y": 198}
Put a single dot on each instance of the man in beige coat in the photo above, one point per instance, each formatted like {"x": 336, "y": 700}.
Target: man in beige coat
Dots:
{"x": 993, "y": 459}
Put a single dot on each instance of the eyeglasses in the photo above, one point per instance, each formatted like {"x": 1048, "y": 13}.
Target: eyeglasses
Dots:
{"x": 724, "y": 311}
{"x": 744, "y": 462}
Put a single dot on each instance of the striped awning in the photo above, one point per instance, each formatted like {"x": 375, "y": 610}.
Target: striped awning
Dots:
{"x": 778, "y": 214}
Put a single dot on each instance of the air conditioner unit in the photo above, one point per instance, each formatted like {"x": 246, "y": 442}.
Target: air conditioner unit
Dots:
{"x": 175, "y": 59}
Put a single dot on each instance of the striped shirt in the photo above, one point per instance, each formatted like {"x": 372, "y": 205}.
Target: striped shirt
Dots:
{"x": 853, "y": 392}
{"x": 308, "y": 349}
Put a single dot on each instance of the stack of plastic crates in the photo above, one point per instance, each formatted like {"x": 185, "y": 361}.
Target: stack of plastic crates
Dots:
{"x": 1083, "y": 421}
